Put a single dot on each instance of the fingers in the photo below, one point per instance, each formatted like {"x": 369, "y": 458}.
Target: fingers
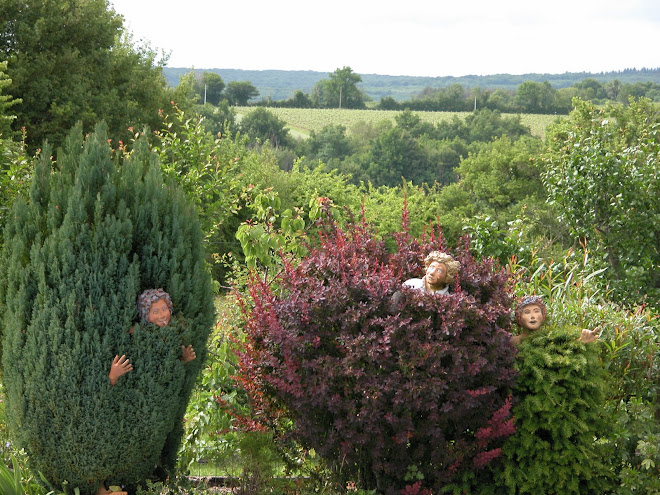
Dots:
{"x": 122, "y": 362}
{"x": 188, "y": 353}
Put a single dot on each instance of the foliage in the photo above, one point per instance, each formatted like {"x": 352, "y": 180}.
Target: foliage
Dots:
{"x": 499, "y": 194}
{"x": 92, "y": 237}
{"x": 395, "y": 156}
{"x": 6, "y": 102}
{"x": 261, "y": 241}
{"x": 315, "y": 119}
{"x": 14, "y": 170}
{"x": 69, "y": 62}
{"x": 598, "y": 172}
{"x": 330, "y": 143}
{"x": 575, "y": 292}
{"x": 482, "y": 125}
{"x": 14, "y": 176}
{"x": 18, "y": 481}
{"x": 533, "y": 97}
{"x": 210, "y": 87}
{"x": 636, "y": 438}
{"x": 561, "y": 389}
{"x": 339, "y": 91}
{"x": 240, "y": 92}
{"x": 207, "y": 169}
{"x": 262, "y": 125}
{"x": 219, "y": 120}
{"x": 376, "y": 389}
{"x": 200, "y": 164}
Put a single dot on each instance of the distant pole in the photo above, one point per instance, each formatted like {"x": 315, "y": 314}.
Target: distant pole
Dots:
{"x": 475, "y": 103}
{"x": 204, "y": 93}
{"x": 340, "y": 88}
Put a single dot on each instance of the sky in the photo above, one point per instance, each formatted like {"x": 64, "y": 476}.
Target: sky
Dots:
{"x": 404, "y": 37}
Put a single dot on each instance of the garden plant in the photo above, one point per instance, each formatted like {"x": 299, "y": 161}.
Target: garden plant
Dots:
{"x": 389, "y": 393}
{"x": 93, "y": 235}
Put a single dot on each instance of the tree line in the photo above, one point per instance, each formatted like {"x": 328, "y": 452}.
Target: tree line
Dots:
{"x": 342, "y": 90}
{"x": 280, "y": 85}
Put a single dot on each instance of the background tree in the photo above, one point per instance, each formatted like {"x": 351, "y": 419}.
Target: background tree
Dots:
{"x": 91, "y": 238}
{"x": 219, "y": 119}
{"x": 328, "y": 145}
{"x": 340, "y": 91}
{"x": 68, "y": 63}
{"x": 239, "y": 93}
{"x": 264, "y": 125}
{"x": 599, "y": 172}
{"x": 396, "y": 155}
{"x": 388, "y": 103}
{"x": 533, "y": 97}
{"x": 500, "y": 181}
{"x": 300, "y": 100}
{"x": 210, "y": 87}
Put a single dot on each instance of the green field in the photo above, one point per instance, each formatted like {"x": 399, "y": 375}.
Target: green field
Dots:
{"x": 301, "y": 121}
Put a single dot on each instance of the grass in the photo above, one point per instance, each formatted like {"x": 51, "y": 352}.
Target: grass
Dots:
{"x": 302, "y": 121}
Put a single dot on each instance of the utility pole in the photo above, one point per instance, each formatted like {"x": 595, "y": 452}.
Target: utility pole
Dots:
{"x": 204, "y": 93}
{"x": 340, "y": 88}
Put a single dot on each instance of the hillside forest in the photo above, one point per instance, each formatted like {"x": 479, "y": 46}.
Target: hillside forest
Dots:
{"x": 570, "y": 214}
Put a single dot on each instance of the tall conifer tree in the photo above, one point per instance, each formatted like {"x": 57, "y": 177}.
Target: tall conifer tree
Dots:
{"x": 94, "y": 234}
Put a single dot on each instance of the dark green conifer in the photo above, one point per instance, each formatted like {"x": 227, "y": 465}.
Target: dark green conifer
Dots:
{"x": 94, "y": 234}
{"x": 559, "y": 418}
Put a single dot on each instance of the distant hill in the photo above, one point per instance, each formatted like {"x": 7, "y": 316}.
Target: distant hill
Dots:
{"x": 281, "y": 84}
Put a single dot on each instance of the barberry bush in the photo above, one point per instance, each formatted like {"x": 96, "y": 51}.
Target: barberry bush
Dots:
{"x": 94, "y": 234}
{"x": 394, "y": 395}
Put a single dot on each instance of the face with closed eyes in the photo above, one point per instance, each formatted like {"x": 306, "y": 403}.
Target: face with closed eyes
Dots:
{"x": 159, "y": 313}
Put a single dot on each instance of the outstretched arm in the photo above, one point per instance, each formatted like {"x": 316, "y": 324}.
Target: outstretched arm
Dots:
{"x": 187, "y": 353}
{"x": 120, "y": 366}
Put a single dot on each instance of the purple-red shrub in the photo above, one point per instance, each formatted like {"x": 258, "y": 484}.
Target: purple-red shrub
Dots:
{"x": 378, "y": 388}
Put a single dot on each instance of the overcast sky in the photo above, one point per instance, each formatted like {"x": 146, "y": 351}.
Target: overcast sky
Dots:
{"x": 403, "y": 37}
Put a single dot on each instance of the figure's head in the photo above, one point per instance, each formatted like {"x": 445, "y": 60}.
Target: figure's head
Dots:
{"x": 530, "y": 312}
{"x": 441, "y": 269}
{"x": 155, "y": 306}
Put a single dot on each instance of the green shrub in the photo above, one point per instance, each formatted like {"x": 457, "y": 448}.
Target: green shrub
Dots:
{"x": 561, "y": 391}
{"x": 94, "y": 234}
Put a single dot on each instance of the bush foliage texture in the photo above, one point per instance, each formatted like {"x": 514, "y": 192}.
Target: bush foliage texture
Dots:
{"x": 94, "y": 234}
{"x": 561, "y": 389}
{"x": 389, "y": 393}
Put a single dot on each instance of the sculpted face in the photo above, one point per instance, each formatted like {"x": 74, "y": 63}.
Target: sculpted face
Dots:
{"x": 436, "y": 275}
{"x": 159, "y": 313}
{"x": 531, "y": 317}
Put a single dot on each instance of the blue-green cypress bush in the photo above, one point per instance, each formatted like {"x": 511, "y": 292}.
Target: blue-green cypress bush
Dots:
{"x": 93, "y": 235}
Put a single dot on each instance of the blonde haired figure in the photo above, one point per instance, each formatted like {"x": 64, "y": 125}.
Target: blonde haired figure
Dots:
{"x": 441, "y": 270}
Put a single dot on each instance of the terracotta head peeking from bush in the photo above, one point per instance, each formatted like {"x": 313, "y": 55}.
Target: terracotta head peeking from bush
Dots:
{"x": 530, "y": 312}
{"x": 435, "y": 258}
{"x": 155, "y": 306}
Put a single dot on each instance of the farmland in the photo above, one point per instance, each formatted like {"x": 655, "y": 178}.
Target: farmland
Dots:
{"x": 302, "y": 121}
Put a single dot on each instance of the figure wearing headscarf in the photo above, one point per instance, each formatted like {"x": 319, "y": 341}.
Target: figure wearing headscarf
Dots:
{"x": 154, "y": 306}
{"x": 530, "y": 314}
